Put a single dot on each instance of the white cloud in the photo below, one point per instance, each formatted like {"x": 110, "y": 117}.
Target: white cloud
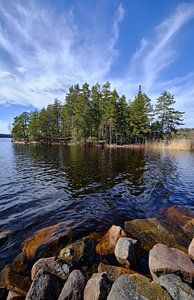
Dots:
{"x": 50, "y": 53}
{"x": 4, "y": 127}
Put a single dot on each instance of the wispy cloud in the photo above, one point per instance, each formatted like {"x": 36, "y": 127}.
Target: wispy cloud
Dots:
{"x": 49, "y": 53}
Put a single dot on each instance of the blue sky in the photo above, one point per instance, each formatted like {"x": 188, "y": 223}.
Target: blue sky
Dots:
{"x": 46, "y": 46}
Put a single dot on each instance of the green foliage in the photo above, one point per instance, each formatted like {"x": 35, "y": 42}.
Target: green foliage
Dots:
{"x": 99, "y": 113}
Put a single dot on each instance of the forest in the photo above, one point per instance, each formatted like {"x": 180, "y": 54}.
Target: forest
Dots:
{"x": 99, "y": 113}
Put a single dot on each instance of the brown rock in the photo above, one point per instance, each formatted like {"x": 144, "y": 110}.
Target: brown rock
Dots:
{"x": 114, "y": 272}
{"x": 164, "y": 260}
{"x": 152, "y": 231}
{"x": 191, "y": 249}
{"x": 98, "y": 287}
{"x": 14, "y": 296}
{"x": 3, "y": 276}
{"x": 21, "y": 265}
{"x": 188, "y": 228}
{"x": 52, "y": 266}
{"x": 47, "y": 241}
{"x": 136, "y": 287}
{"x": 177, "y": 215}
{"x": 108, "y": 242}
{"x": 79, "y": 252}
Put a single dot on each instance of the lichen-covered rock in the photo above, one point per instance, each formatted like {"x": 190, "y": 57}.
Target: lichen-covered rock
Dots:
{"x": 165, "y": 260}
{"x": 14, "y": 296}
{"x": 74, "y": 286}
{"x": 47, "y": 241}
{"x": 152, "y": 231}
{"x": 177, "y": 289}
{"x": 98, "y": 287}
{"x": 136, "y": 287}
{"x": 108, "y": 242}
{"x": 52, "y": 266}
{"x": 127, "y": 251}
{"x": 44, "y": 287}
{"x": 79, "y": 252}
{"x": 14, "y": 282}
{"x": 191, "y": 249}
{"x": 114, "y": 272}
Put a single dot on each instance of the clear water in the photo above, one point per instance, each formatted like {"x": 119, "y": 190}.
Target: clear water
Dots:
{"x": 90, "y": 188}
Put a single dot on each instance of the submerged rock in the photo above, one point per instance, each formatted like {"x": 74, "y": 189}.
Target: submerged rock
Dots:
{"x": 136, "y": 287}
{"x": 114, "y": 272}
{"x": 14, "y": 282}
{"x": 108, "y": 242}
{"x": 44, "y": 287}
{"x": 47, "y": 241}
{"x": 152, "y": 231}
{"x": 164, "y": 260}
{"x": 98, "y": 287}
{"x": 22, "y": 265}
{"x": 127, "y": 251}
{"x": 4, "y": 235}
{"x": 52, "y": 266}
{"x": 79, "y": 252}
{"x": 191, "y": 249}
{"x": 177, "y": 289}
{"x": 74, "y": 286}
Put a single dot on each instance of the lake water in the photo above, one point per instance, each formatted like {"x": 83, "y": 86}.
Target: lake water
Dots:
{"x": 90, "y": 188}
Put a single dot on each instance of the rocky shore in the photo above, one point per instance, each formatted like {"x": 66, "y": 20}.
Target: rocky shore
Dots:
{"x": 146, "y": 259}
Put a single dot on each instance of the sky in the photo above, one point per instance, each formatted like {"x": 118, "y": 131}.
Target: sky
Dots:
{"x": 46, "y": 46}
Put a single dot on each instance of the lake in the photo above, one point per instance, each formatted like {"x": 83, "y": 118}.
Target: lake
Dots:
{"x": 90, "y": 188}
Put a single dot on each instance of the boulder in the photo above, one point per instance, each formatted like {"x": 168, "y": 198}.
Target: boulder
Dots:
{"x": 152, "y": 231}
{"x": 114, "y": 272}
{"x": 136, "y": 287}
{"x": 74, "y": 286}
{"x": 188, "y": 228}
{"x": 98, "y": 287}
{"x": 177, "y": 289}
{"x": 127, "y": 251}
{"x": 108, "y": 242}
{"x": 14, "y": 296}
{"x": 22, "y": 265}
{"x": 14, "y": 282}
{"x": 47, "y": 241}
{"x": 191, "y": 249}
{"x": 52, "y": 266}
{"x": 80, "y": 252}
{"x": 176, "y": 215}
{"x": 44, "y": 287}
{"x": 165, "y": 260}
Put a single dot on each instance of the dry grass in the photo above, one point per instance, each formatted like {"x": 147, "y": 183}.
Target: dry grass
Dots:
{"x": 175, "y": 144}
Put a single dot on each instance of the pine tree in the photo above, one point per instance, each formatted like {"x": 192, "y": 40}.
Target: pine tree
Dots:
{"x": 168, "y": 117}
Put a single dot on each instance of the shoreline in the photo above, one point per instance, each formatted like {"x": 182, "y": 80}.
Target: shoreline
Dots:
{"x": 119, "y": 254}
{"x": 174, "y": 144}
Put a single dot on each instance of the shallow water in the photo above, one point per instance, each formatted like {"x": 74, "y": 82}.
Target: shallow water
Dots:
{"x": 89, "y": 188}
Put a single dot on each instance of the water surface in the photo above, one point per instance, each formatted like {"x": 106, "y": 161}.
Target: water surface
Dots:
{"x": 89, "y": 188}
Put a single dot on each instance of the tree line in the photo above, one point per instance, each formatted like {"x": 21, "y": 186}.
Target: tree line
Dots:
{"x": 100, "y": 113}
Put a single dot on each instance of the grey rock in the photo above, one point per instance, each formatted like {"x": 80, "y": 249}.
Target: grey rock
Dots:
{"x": 178, "y": 289}
{"x": 44, "y": 287}
{"x": 74, "y": 286}
{"x": 136, "y": 287}
{"x": 127, "y": 251}
{"x": 97, "y": 287}
{"x": 52, "y": 266}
